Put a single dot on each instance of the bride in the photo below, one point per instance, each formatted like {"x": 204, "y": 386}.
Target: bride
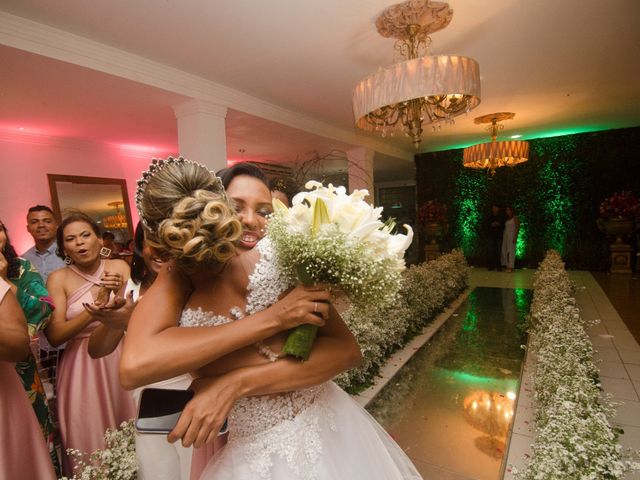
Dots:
{"x": 287, "y": 419}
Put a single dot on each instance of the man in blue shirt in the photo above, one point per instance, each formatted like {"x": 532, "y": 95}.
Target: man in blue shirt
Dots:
{"x": 42, "y": 225}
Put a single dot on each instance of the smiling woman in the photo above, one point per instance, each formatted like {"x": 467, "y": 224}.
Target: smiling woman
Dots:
{"x": 248, "y": 187}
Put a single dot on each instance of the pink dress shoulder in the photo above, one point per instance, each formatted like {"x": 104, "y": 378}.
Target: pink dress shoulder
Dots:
{"x": 90, "y": 398}
{"x": 23, "y": 452}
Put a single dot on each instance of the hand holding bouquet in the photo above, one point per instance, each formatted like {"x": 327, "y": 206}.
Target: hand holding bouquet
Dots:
{"x": 333, "y": 238}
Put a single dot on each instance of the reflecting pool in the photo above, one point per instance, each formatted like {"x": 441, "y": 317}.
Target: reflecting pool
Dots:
{"x": 451, "y": 406}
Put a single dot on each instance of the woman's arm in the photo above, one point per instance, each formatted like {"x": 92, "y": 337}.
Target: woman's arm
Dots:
{"x": 516, "y": 222}
{"x": 114, "y": 316}
{"x": 14, "y": 339}
{"x": 114, "y": 321}
{"x": 60, "y": 329}
{"x": 335, "y": 350}
{"x": 155, "y": 348}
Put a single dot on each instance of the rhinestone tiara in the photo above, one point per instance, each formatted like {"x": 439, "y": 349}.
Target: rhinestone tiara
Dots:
{"x": 157, "y": 164}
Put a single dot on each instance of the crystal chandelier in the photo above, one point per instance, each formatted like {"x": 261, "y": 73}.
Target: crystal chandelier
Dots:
{"x": 421, "y": 88}
{"x": 117, "y": 221}
{"x": 495, "y": 154}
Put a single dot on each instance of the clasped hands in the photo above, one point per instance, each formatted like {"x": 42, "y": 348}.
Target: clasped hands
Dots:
{"x": 113, "y": 311}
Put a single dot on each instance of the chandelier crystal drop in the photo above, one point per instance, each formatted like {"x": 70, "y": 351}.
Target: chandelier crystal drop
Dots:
{"x": 495, "y": 154}
{"x": 421, "y": 89}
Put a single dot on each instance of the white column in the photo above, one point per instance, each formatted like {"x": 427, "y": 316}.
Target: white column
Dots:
{"x": 360, "y": 170}
{"x": 201, "y": 133}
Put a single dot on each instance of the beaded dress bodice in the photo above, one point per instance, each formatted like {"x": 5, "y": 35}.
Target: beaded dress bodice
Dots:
{"x": 263, "y": 425}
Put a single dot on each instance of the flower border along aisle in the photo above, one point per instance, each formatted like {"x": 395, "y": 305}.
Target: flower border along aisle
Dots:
{"x": 573, "y": 437}
{"x": 425, "y": 291}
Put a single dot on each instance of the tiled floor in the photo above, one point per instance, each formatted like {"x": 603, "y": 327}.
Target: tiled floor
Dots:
{"x": 618, "y": 354}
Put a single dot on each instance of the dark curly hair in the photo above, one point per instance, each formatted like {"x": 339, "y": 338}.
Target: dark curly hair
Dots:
{"x": 138, "y": 268}
{"x": 13, "y": 270}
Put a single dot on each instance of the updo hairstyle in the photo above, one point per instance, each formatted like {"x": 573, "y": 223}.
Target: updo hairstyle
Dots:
{"x": 188, "y": 217}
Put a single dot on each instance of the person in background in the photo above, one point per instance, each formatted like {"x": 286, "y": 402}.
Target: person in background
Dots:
{"x": 279, "y": 191}
{"x": 42, "y": 225}
{"x": 108, "y": 241}
{"x": 33, "y": 298}
{"x": 23, "y": 452}
{"x": 495, "y": 223}
{"x": 157, "y": 458}
{"x": 280, "y": 195}
{"x": 90, "y": 398}
{"x": 509, "y": 238}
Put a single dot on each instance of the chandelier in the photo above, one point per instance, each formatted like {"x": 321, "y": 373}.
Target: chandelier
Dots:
{"x": 421, "y": 88}
{"x": 494, "y": 154}
{"x": 117, "y": 221}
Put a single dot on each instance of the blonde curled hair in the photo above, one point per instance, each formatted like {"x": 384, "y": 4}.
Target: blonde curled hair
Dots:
{"x": 188, "y": 217}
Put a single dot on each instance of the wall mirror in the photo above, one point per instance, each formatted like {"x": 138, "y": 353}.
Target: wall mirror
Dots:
{"x": 105, "y": 200}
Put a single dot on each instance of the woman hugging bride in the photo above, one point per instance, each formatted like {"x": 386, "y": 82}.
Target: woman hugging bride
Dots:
{"x": 287, "y": 420}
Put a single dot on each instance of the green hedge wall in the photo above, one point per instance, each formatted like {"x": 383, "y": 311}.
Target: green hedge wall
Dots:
{"x": 556, "y": 195}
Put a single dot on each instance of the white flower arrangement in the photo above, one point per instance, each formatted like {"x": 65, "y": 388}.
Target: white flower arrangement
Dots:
{"x": 330, "y": 237}
{"x": 574, "y": 439}
{"x": 116, "y": 461}
{"x": 426, "y": 290}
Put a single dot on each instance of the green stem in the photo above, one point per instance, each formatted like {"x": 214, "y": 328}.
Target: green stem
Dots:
{"x": 301, "y": 338}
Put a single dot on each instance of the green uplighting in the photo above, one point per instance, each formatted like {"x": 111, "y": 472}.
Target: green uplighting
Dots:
{"x": 521, "y": 241}
{"x": 470, "y": 322}
{"x": 522, "y": 299}
{"x": 470, "y": 186}
{"x": 555, "y": 191}
{"x": 470, "y": 379}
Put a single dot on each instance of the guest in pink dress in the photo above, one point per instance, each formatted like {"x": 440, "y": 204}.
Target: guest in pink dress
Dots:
{"x": 23, "y": 451}
{"x": 90, "y": 398}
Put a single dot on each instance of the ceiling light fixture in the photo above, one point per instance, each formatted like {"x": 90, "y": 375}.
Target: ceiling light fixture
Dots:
{"x": 422, "y": 88}
{"x": 117, "y": 221}
{"x": 494, "y": 154}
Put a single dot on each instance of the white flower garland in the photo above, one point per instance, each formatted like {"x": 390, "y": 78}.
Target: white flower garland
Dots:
{"x": 426, "y": 290}
{"x": 574, "y": 439}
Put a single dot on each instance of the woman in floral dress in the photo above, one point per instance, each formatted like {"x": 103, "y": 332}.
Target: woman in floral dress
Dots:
{"x": 32, "y": 295}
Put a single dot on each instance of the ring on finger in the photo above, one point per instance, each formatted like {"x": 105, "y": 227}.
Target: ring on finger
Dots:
{"x": 315, "y": 307}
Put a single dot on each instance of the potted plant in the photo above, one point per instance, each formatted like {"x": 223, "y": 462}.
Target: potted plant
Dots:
{"x": 619, "y": 215}
{"x": 432, "y": 215}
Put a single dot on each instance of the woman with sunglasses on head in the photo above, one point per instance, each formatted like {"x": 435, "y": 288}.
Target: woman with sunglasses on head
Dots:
{"x": 90, "y": 398}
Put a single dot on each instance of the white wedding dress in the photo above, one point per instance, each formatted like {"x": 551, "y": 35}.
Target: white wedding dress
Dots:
{"x": 315, "y": 433}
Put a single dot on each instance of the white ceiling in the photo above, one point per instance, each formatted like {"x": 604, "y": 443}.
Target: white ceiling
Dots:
{"x": 562, "y": 66}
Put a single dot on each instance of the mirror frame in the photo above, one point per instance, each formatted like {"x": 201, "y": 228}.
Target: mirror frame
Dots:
{"x": 55, "y": 201}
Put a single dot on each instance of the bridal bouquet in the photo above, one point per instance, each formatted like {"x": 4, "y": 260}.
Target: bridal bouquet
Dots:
{"x": 330, "y": 237}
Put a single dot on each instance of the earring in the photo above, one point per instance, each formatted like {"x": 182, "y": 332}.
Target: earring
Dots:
{"x": 105, "y": 252}
{"x": 67, "y": 260}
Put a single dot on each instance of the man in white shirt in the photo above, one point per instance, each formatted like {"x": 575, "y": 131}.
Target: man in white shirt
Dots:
{"x": 42, "y": 225}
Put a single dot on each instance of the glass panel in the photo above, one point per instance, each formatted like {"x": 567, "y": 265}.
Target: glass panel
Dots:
{"x": 451, "y": 406}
